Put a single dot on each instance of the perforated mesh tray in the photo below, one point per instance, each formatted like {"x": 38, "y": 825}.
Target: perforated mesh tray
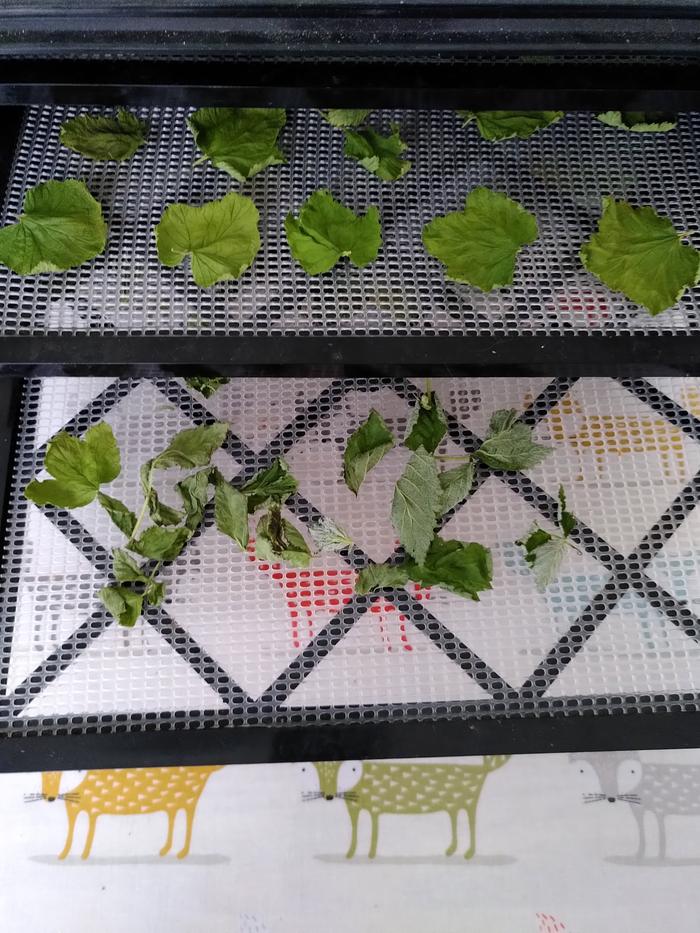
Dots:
{"x": 560, "y": 174}
{"x": 241, "y": 642}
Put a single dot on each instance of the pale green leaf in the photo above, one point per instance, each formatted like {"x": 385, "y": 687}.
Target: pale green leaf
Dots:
{"x": 221, "y": 237}
{"x": 161, "y": 543}
{"x": 105, "y": 138}
{"x": 327, "y": 536}
{"x": 207, "y": 385}
{"x": 154, "y": 594}
{"x": 192, "y": 447}
{"x": 365, "y": 448}
{"x": 100, "y": 441}
{"x": 121, "y": 515}
{"x": 479, "y": 245}
{"x": 240, "y": 141}
{"x": 231, "y": 513}
{"x": 194, "y": 492}
{"x": 509, "y": 444}
{"x": 61, "y": 227}
{"x": 428, "y": 424}
{"x": 379, "y": 154}
{"x": 326, "y": 230}
{"x": 346, "y": 117}
{"x": 505, "y": 124}
{"x": 377, "y": 576}
{"x": 123, "y": 604}
{"x": 544, "y": 554}
{"x": 638, "y": 122}
{"x": 160, "y": 512}
{"x": 456, "y": 485}
{"x": 278, "y": 539}
{"x": 416, "y": 504}
{"x": 125, "y": 568}
{"x": 639, "y": 253}
{"x": 465, "y": 569}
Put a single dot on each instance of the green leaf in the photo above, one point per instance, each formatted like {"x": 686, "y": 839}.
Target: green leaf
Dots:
{"x": 544, "y": 554}
{"x": 161, "y": 513}
{"x": 428, "y": 424}
{"x": 639, "y": 122}
{"x": 123, "y": 604}
{"x": 125, "y": 568}
{"x": 121, "y": 515}
{"x": 194, "y": 492}
{"x": 275, "y": 538}
{"x": 271, "y": 485}
{"x": 207, "y": 385}
{"x": 327, "y": 536}
{"x": 566, "y": 520}
{"x": 327, "y": 230}
{"x": 346, "y": 117}
{"x": 479, "y": 245}
{"x": 231, "y": 513}
{"x": 154, "y": 594}
{"x": 369, "y": 444}
{"x": 192, "y": 447}
{"x": 465, "y": 569}
{"x": 505, "y": 124}
{"x": 509, "y": 444}
{"x": 377, "y": 576}
{"x": 161, "y": 543}
{"x": 78, "y": 468}
{"x": 105, "y": 138}
{"x": 240, "y": 141}
{"x": 61, "y": 227}
{"x": 639, "y": 253}
{"x": 416, "y": 504}
{"x": 379, "y": 154}
{"x": 456, "y": 485}
{"x": 221, "y": 237}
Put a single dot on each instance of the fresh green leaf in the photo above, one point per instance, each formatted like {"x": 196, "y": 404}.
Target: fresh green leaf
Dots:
{"x": 192, "y": 447}
{"x": 377, "y": 576}
{"x": 479, "y": 245}
{"x": 78, "y": 468}
{"x": 221, "y": 237}
{"x": 125, "y": 568}
{"x": 639, "y": 122}
{"x": 509, "y": 444}
{"x": 465, "y": 569}
{"x": 270, "y": 486}
{"x": 639, "y": 253}
{"x": 567, "y": 520}
{"x": 276, "y": 538}
{"x": 544, "y": 554}
{"x": 505, "y": 124}
{"x": 161, "y": 513}
{"x": 207, "y": 385}
{"x": 161, "y": 543}
{"x": 105, "y": 138}
{"x": 327, "y": 230}
{"x": 194, "y": 492}
{"x": 456, "y": 485}
{"x": 240, "y": 141}
{"x": 346, "y": 117}
{"x": 366, "y": 447}
{"x": 61, "y": 227}
{"x": 123, "y": 517}
{"x": 428, "y": 424}
{"x": 379, "y": 154}
{"x": 123, "y": 604}
{"x": 154, "y": 594}
{"x": 416, "y": 504}
{"x": 327, "y": 536}
{"x": 231, "y": 513}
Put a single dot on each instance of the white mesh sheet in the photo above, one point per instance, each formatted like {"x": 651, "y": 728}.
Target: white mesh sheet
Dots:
{"x": 242, "y": 641}
{"x": 559, "y": 174}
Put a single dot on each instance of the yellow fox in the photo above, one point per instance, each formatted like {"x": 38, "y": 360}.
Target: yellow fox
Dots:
{"x": 128, "y": 791}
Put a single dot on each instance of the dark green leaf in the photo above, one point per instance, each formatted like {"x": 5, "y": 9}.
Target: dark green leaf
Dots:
{"x": 160, "y": 512}
{"x": 366, "y": 447}
{"x": 207, "y": 385}
{"x": 123, "y": 517}
{"x": 379, "y": 154}
{"x": 61, "y": 227}
{"x": 377, "y": 576}
{"x": 416, "y": 504}
{"x": 465, "y": 569}
{"x": 192, "y": 447}
{"x": 161, "y": 543}
{"x": 274, "y": 484}
{"x": 567, "y": 520}
{"x": 125, "y": 568}
{"x": 509, "y": 445}
{"x": 428, "y": 425}
{"x": 194, "y": 491}
{"x": 231, "y": 513}
{"x": 123, "y": 604}
{"x": 346, "y": 117}
{"x": 240, "y": 141}
{"x": 105, "y": 138}
{"x": 276, "y": 538}
{"x": 456, "y": 485}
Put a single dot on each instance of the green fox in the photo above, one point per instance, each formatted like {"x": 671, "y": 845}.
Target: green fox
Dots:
{"x": 395, "y": 787}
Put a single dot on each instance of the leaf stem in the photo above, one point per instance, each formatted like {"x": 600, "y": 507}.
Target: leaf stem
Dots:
{"x": 144, "y": 507}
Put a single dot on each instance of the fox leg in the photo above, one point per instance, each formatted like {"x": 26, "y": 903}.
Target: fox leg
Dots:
{"x": 452, "y": 848}
{"x": 171, "y": 826}
{"x": 72, "y": 814}
{"x": 90, "y": 836}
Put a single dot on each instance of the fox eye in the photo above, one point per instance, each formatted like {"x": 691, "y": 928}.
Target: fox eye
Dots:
{"x": 580, "y": 770}
{"x": 303, "y": 769}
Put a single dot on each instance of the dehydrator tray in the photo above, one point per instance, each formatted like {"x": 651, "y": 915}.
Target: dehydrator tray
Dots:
{"x": 241, "y": 647}
{"x": 559, "y": 174}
